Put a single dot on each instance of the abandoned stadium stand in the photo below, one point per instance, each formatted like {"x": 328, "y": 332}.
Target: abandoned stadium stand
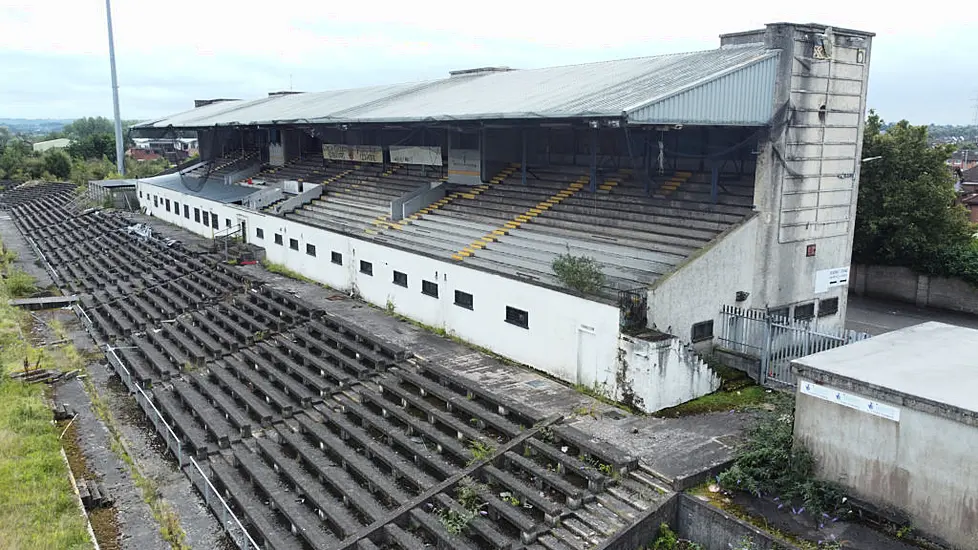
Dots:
{"x": 315, "y": 432}
{"x": 693, "y": 181}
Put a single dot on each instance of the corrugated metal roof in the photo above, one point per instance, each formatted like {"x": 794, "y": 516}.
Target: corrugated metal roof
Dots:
{"x": 719, "y": 100}
{"x": 606, "y": 89}
{"x": 212, "y": 190}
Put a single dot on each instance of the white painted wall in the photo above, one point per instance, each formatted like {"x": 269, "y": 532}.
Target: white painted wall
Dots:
{"x": 663, "y": 374}
{"x": 695, "y": 292}
{"x": 568, "y": 337}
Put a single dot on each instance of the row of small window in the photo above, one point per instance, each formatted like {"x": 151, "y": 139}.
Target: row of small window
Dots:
{"x": 514, "y": 316}
{"x": 826, "y": 307}
{"x": 206, "y": 218}
{"x": 830, "y": 306}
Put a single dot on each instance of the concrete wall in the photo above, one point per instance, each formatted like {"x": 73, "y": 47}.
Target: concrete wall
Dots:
{"x": 806, "y": 183}
{"x": 695, "y": 292}
{"x": 904, "y": 285}
{"x": 571, "y": 338}
{"x": 922, "y": 466}
{"x": 661, "y": 374}
{"x": 715, "y": 529}
{"x": 568, "y": 337}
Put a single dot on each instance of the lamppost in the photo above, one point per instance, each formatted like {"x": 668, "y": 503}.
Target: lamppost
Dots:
{"x": 120, "y": 159}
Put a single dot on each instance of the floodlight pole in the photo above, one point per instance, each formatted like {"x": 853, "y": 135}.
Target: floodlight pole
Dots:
{"x": 120, "y": 159}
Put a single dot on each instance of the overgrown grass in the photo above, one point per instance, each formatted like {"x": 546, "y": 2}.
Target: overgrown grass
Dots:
{"x": 37, "y": 506}
{"x": 286, "y": 272}
{"x": 163, "y": 513}
{"x": 747, "y": 398}
{"x": 19, "y": 283}
{"x": 772, "y": 464}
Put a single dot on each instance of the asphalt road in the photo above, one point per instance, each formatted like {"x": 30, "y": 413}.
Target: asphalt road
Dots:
{"x": 879, "y": 316}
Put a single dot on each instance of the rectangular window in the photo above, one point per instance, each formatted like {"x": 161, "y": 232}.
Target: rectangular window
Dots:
{"x": 166, "y": 203}
{"x": 215, "y": 221}
{"x": 206, "y": 218}
{"x": 176, "y": 208}
{"x": 259, "y": 233}
{"x": 400, "y": 279}
{"x": 186, "y": 211}
{"x": 197, "y": 215}
{"x": 311, "y": 250}
{"x": 156, "y": 201}
{"x": 805, "y": 311}
{"x": 336, "y": 257}
{"x": 429, "y": 288}
{"x": 779, "y": 313}
{"x": 278, "y": 239}
{"x": 140, "y": 193}
{"x": 294, "y": 244}
{"x": 702, "y": 331}
{"x": 227, "y": 222}
{"x": 463, "y": 299}
{"x": 517, "y": 317}
{"x": 366, "y": 268}
{"x": 828, "y": 307}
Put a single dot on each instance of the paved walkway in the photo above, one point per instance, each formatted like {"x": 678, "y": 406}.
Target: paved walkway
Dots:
{"x": 878, "y": 316}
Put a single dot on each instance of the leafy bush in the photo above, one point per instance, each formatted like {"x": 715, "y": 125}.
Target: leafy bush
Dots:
{"x": 578, "y": 272}
{"x": 19, "y": 283}
{"x": 957, "y": 261}
{"x": 770, "y": 463}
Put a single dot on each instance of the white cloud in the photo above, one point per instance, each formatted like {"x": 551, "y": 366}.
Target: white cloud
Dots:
{"x": 168, "y": 55}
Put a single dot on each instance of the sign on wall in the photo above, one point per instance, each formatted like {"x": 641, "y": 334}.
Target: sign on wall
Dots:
{"x": 354, "y": 153}
{"x": 856, "y": 402}
{"x": 464, "y": 166}
{"x": 402, "y": 154}
{"x": 826, "y": 279}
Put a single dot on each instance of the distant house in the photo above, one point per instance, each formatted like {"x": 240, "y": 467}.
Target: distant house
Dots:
{"x": 965, "y": 159}
{"x": 59, "y": 143}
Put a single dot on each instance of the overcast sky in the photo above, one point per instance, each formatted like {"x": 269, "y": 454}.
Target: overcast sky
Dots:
{"x": 54, "y": 53}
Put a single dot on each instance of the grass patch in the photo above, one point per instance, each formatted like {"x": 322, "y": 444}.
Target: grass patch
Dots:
{"x": 748, "y": 398}
{"x": 286, "y": 272}
{"x": 19, "y": 283}
{"x": 37, "y": 508}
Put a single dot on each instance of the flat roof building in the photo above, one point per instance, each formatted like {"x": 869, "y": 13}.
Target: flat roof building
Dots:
{"x": 895, "y": 420}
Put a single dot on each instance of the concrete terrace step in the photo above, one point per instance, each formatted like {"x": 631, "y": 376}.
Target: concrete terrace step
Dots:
{"x": 341, "y": 226}
{"x": 651, "y": 234}
{"x": 615, "y": 206}
{"x": 596, "y": 237}
{"x": 542, "y": 261}
{"x": 640, "y": 260}
{"x": 338, "y": 214}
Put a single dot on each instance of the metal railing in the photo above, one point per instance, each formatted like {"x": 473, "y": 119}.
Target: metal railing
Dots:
{"x": 776, "y": 341}
{"x": 232, "y": 525}
{"x": 229, "y": 521}
{"x": 146, "y": 403}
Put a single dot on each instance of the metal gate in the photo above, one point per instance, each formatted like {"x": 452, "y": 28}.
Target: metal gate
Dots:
{"x": 776, "y": 341}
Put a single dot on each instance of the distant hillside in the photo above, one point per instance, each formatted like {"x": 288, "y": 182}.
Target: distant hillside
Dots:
{"x": 34, "y": 125}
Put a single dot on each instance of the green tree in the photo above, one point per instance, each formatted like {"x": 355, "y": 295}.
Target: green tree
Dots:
{"x": 906, "y": 214}
{"x": 57, "y": 163}
{"x": 95, "y": 146}
{"x": 87, "y": 127}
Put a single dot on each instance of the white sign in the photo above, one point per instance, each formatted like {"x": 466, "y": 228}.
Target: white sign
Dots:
{"x": 354, "y": 153}
{"x": 291, "y": 186}
{"x": 831, "y": 278}
{"x": 861, "y": 404}
{"x": 464, "y": 166}
{"x": 430, "y": 156}
{"x": 276, "y": 154}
